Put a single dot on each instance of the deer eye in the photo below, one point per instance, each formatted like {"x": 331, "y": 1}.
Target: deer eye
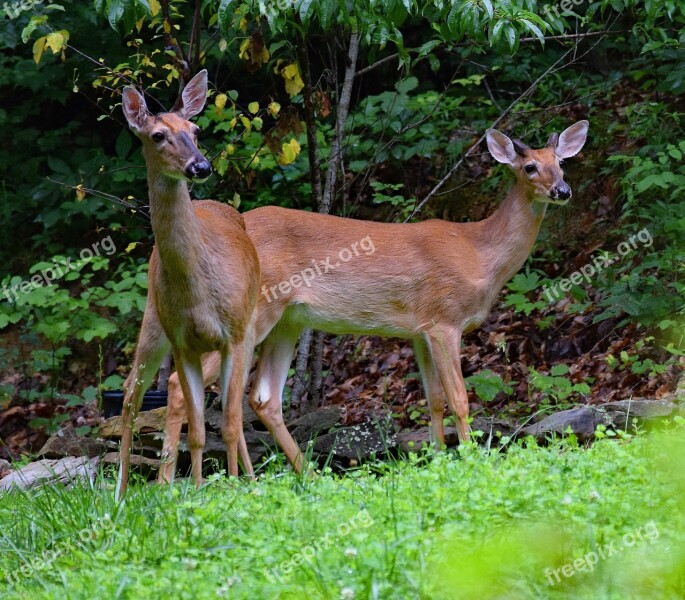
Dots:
{"x": 157, "y": 136}
{"x": 530, "y": 169}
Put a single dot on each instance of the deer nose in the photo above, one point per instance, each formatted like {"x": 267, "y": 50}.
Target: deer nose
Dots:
{"x": 561, "y": 191}
{"x": 200, "y": 169}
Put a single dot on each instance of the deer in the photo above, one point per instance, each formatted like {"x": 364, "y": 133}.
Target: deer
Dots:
{"x": 202, "y": 284}
{"x": 431, "y": 282}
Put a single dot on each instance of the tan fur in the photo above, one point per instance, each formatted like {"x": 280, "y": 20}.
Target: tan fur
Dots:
{"x": 429, "y": 282}
{"x": 202, "y": 287}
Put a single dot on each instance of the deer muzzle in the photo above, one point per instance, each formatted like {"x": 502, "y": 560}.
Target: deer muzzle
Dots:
{"x": 198, "y": 170}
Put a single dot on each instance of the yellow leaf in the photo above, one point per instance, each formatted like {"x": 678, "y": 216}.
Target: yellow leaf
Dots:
{"x": 236, "y": 200}
{"x": 253, "y": 107}
{"x": 243, "y": 25}
{"x": 230, "y": 149}
{"x": 220, "y": 101}
{"x": 38, "y": 47}
{"x": 131, "y": 246}
{"x": 293, "y": 80}
{"x": 257, "y": 123}
{"x": 80, "y": 192}
{"x": 246, "y": 123}
{"x": 244, "y": 48}
{"x": 155, "y": 7}
{"x": 56, "y": 41}
{"x": 233, "y": 122}
{"x": 274, "y": 108}
{"x": 223, "y": 44}
{"x": 289, "y": 152}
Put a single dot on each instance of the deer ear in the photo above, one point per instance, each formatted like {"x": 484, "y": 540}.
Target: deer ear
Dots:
{"x": 501, "y": 147}
{"x": 572, "y": 140}
{"x": 194, "y": 96}
{"x": 135, "y": 109}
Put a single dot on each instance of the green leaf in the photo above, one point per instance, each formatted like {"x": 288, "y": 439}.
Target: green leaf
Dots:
{"x": 558, "y": 370}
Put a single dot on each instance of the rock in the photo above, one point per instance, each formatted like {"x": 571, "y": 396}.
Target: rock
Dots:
{"x": 143, "y": 463}
{"x": 314, "y": 423}
{"x": 66, "y": 442}
{"x": 358, "y": 441}
{"x": 622, "y": 412}
{"x": 5, "y": 468}
{"x": 582, "y": 420}
{"x": 149, "y": 420}
{"x": 491, "y": 426}
{"x": 258, "y": 443}
{"x": 413, "y": 440}
{"x": 70, "y": 470}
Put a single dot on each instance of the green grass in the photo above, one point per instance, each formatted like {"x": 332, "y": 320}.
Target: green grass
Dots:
{"x": 468, "y": 524}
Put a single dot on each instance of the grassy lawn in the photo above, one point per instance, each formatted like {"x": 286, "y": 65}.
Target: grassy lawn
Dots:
{"x": 534, "y": 522}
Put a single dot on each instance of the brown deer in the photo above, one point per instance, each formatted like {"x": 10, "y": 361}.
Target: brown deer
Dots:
{"x": 430, "y": 282}
{"x": 203, "y": 281}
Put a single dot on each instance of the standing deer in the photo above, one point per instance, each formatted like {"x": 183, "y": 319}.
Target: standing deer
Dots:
{"x": 203, "y": 281}
{"x": 430, "y": 282}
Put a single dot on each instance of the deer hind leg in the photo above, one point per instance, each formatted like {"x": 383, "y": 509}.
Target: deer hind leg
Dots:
{"x": 444, "y": 344}
{"x": 176, "y": 413}
{"x": 153, "y": 346}
{"x": 266, "y": 394}
{"x": 190, "y": 374}
{"x": 434, "y": 391}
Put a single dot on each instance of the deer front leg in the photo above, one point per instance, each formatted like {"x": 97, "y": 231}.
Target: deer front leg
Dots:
{"x": 153, "y": 346}
{"x": 444, "y": 344}
{"x": 190, "y": 375}
{"x": 434, "y": 391}
{"x": 233, "y": 379}
{"x": 176, "y": 414}
{"x": 232, "y": 430}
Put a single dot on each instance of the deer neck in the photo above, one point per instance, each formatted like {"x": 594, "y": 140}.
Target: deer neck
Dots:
{"x": 508, "y": 234}
{"x": 176, "y": 228}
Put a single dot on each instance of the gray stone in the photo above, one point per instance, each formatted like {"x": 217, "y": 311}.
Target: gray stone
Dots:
{"x": 491, "y": 426}
{"x": 66, "y": 442}
{"x": 69, "y": 470}
{"x": 315, "y": 423}
{"x": 5, "y": 468}
{"x": 622, "y": 412}
{"x": 582, "y": 420}
{"x": 413, "y": 440}
{"x": 358, "y": 441}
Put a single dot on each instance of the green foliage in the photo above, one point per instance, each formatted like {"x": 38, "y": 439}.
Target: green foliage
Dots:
{"x": 555, "y": 388}
{"x": 487, "y": 384}
{"x": 385, "y": 530}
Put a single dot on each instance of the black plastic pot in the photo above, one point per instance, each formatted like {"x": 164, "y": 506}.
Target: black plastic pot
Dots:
{"x": 113, "y": 401}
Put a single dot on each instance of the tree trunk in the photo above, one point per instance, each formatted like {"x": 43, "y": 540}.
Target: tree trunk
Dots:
{"x": 323, "y": 200}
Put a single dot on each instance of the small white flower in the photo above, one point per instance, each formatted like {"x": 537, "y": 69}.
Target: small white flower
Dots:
{"x": 594, "y": 495}
{"x": 567, "y": 499}
{"x": 351, "y": 552}
{"x": 346, "y": 593}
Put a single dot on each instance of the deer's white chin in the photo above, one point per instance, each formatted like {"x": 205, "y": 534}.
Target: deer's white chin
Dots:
{"x": 548, "y": 200}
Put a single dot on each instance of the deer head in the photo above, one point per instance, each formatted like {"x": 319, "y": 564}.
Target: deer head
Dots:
{"x": 170, "y": 139}
{"x": 540, "y": 170}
